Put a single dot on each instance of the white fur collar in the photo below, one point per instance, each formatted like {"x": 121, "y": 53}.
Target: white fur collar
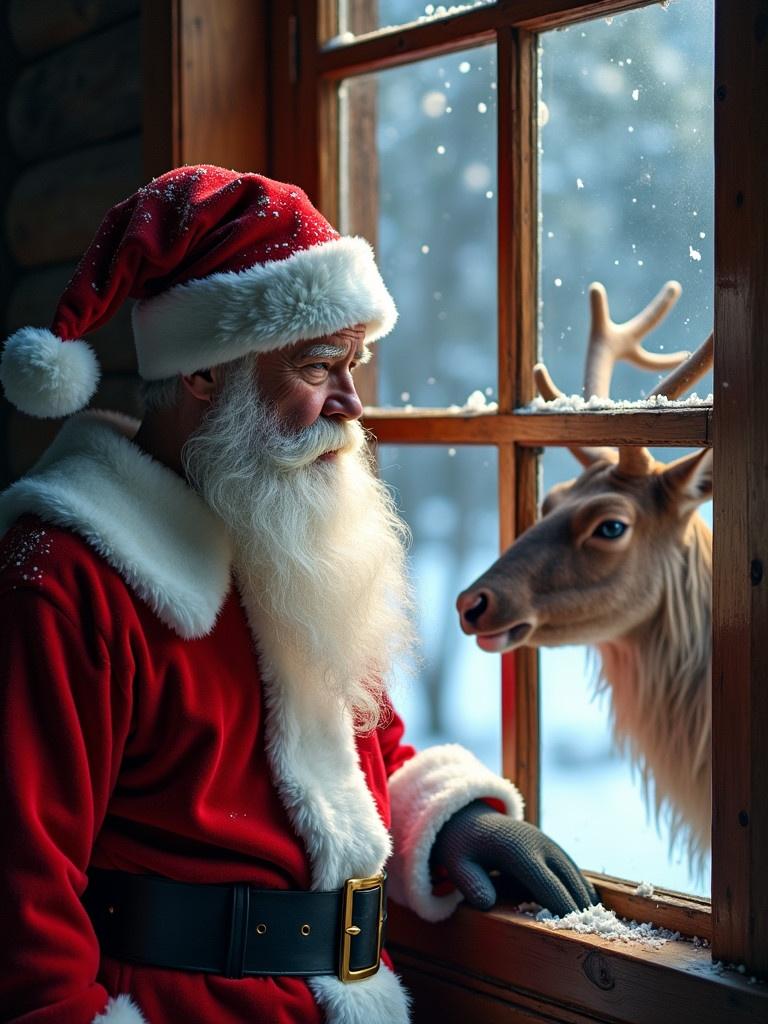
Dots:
{"x": 139, "y": 515}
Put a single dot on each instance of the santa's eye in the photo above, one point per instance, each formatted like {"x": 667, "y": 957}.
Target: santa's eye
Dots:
{"x": 610, "y": 529}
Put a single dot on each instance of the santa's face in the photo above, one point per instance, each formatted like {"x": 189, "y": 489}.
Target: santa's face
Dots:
{"x": 310, "y": 379}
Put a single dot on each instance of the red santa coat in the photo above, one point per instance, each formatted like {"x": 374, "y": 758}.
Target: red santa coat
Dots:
{"x": 146, "y": 729}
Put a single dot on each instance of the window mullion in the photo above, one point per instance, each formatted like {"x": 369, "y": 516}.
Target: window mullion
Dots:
{"x": 516, "y": 149}
{"x": 740, "y": 588}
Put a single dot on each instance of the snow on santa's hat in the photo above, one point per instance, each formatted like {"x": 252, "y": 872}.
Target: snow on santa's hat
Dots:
{"x": 221, "y": 264}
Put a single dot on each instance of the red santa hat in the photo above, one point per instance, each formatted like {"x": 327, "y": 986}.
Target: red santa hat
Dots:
{"x": 221, "y": 264}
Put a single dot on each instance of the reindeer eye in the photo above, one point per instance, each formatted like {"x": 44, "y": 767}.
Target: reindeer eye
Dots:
{"x": 610, "y": 529}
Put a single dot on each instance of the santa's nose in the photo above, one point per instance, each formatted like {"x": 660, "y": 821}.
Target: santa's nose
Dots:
{"x": 344, "y": 403}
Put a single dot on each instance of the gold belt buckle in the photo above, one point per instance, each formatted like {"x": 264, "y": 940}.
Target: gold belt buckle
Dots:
{"x": 350, "y": 930}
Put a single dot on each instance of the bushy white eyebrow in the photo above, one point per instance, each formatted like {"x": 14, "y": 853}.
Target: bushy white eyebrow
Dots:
{"x": 323, "y": 350}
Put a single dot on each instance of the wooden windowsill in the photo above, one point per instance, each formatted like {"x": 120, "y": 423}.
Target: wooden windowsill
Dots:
{"x": 391, "y": 46}
{"x": 676, "y": 911}
{"x": 510, "y": 967}
{"x": 675, "y": 427}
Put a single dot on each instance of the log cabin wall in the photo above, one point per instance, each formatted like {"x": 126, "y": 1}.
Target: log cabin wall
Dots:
{"x": 99, "y": 96}
{"x": 72, "y": 126}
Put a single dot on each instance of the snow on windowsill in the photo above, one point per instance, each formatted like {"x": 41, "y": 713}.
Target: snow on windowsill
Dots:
{"x": 477, "y": 404}
{"x": 597, "y": 920}
{"x": 577, "y": 403}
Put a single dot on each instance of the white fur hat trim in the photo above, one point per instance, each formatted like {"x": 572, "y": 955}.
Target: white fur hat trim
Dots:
{"x": 214, "y": 319}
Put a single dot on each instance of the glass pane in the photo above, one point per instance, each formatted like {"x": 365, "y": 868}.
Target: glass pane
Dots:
{"x": 592, "y": 794}
{"x": 427, "y": 200}
{"x": 626, "y": 181}
{"x": 449, "y": 499}
{"x": 358, "y": 16}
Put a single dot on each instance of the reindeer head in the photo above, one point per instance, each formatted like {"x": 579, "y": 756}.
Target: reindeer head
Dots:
{"x": 595, "y": 567}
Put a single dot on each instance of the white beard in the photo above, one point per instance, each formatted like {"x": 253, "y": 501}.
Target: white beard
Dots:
{"x": 319, "y": 547}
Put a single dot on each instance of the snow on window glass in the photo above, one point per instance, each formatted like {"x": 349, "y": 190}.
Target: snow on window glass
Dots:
{"x": 626, "y": 181}
{"x": 391, "y": 13}
{"x": 432, "y": 219}
{"x": 449, "y": 499}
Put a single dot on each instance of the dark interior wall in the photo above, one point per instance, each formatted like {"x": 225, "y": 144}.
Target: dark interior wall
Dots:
{"x": 71, "y": 94}
{"x": 98, "y": 95}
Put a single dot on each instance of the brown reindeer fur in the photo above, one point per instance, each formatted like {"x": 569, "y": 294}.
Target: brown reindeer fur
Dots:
{"x": 659, "y": 678}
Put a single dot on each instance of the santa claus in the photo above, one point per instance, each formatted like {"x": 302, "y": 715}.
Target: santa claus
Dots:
{"x": 204, "y": 780}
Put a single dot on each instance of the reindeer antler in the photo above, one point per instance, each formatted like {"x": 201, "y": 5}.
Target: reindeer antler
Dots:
{"x": 686, "y": 375}
{"x": 610, "y": 342}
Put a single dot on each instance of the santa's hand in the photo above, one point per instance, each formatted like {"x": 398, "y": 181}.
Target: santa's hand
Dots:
{"x": 478, "y": 839}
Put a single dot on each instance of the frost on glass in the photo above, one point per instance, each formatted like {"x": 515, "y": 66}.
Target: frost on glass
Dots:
{"x": 377, "y": 14}
{"x": 592, "y": 796}
{"x": 626, "y": 181}
{"x": 448, "y": 497}
{"x": 433, "y": 186}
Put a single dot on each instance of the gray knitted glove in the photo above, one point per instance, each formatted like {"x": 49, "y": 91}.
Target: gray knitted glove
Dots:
{"x": 478, "y": 839}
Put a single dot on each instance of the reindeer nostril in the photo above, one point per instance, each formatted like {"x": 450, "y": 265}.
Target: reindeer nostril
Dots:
{"x": 473, "y": 614}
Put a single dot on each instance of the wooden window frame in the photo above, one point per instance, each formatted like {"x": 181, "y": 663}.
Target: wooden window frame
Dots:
{"x": 501, "y": 966}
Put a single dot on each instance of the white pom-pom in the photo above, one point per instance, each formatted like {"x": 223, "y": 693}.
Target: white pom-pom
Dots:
{"x": 45, "y": 376}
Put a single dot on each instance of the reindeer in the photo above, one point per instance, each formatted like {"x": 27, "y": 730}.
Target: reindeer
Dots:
{"x": 621, "y": 560}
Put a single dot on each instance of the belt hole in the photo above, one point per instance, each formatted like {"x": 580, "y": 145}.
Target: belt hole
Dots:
{"x": 305, "y": 930}
{"x": 261, "y": 929}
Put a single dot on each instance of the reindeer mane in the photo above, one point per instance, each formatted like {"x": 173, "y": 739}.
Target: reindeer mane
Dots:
{"x": 660, "y": 682}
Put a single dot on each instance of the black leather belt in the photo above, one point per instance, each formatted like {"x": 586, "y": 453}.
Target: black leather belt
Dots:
{"x": 237, "y": 930}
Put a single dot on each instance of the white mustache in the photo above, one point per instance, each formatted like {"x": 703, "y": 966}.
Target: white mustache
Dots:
{"x": 290, "y": 451}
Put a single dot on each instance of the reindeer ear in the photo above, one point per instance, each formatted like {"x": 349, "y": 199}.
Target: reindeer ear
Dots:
{"x": 689, "y": 480}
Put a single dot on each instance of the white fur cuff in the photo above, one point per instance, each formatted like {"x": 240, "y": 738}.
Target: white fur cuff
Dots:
{"x": 380, "y": 999}
{"x": 121, "y": 1010}
{"x": 424, "y": 794}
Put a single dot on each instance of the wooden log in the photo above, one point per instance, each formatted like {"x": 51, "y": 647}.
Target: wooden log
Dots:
{"x": 56, "y": 206}
{"x": 32, "y": 303}
{"x": 82, "y": 94}
{"x": 40, "y": 25}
